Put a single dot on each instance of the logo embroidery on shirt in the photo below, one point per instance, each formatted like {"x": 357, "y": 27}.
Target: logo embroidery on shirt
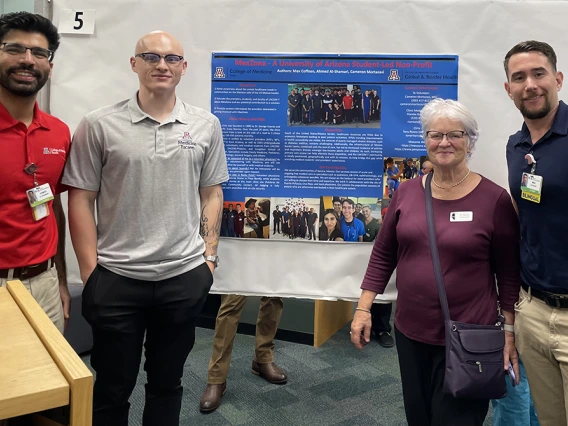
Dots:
{"x": 54, "y": 151}
{"x": 186, "y": 142}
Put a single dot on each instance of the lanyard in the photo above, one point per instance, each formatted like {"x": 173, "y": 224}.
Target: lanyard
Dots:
{"x": 349, "y": 226}
{"x": 31, "y": 167}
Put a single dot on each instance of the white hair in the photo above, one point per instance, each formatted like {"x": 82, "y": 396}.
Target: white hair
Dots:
{"x": 453, "y": 110}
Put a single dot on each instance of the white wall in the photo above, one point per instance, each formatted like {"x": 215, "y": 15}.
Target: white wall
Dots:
{"x": 7, "y": 6}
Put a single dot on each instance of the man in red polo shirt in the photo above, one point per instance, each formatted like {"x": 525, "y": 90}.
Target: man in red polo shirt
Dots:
{"x": 34, "y": 148}
{"x": 348, "y": 107}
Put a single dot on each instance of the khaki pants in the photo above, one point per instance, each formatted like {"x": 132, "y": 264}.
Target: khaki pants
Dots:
{"x": 45, "y": 290}
{"x": 542, "y": 340}
{"x": 228, "y": 318}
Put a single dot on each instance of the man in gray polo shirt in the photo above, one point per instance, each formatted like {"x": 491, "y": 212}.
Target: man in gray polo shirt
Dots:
{"x": 155, "y": 165}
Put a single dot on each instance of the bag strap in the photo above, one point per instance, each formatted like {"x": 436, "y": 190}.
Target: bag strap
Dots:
{"x": 434, "y": 249}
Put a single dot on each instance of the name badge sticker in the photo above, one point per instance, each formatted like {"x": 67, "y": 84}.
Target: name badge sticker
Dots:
{"x": 461, "y": 216}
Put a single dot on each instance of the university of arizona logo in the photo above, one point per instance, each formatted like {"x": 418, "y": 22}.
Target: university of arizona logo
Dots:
{"x": 219, "y": 73}
{"x": 54, "y": 151}
{"x": 393, "y": 76}
{"x": 186, "y": 142}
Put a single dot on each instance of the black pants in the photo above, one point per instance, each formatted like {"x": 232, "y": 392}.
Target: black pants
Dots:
{"x": 276, "y": 226}
{"x": 121, "y": 311}
{"x": 317, "y": 115}
{"x": 299, "y": 113}
{"x": 294, "y": 115}
{"x": 380, "y": 316}
{"x": 422, "y": 370}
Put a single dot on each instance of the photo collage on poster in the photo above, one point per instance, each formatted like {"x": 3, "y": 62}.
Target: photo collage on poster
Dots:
{"x": 328, "y": 218}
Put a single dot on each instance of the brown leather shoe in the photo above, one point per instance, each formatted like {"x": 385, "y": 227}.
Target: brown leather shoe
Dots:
{"x": 269, "y": 372}
{"x": 211, "y": 398}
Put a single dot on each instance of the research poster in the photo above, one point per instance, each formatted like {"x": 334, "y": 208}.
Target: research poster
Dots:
{"x": 317, "y": 144}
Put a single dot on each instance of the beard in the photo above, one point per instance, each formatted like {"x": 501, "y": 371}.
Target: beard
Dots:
{"x": 538, "y": 113}
{"x": 23, "y": 89}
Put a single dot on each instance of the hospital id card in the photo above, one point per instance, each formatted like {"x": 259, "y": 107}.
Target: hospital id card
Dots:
{"x": 38, "y": 197}
{"x": 531, "y": 187}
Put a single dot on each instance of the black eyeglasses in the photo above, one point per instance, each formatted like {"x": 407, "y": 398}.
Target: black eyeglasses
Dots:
{"x": 154, "y": 58}
{"x": 20, "y": 49}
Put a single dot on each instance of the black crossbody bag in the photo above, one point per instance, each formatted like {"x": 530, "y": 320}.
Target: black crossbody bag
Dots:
{"x": 474, "y": 353}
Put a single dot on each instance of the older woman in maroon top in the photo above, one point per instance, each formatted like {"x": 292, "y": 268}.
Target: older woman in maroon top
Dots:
{"x": 477, "y": 234}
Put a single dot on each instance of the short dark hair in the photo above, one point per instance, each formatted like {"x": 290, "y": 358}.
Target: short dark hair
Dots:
{"x": 29, "y": 23}
{"x": 238, "y": 204}
{"x": 531, "y": 46}
{"x": 390, "y": 160}
{"x": 348, "y": 200}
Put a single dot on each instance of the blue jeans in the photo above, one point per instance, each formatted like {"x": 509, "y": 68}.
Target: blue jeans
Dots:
{"x": 393, "y": 185}
{"x": 517, "y": 408}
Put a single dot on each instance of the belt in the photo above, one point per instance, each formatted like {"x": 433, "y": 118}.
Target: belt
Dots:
{"x": 551, "y": 299}
{"x": 26, "y": 272}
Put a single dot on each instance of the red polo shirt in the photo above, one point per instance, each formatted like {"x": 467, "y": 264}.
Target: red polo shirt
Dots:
{"x": 24, "y": 241}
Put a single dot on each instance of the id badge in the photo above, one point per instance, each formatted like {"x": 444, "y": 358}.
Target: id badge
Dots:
{"x": 38, "y": 197}
{"x": 531, "y": 187}
{"x": 461, "y": 216}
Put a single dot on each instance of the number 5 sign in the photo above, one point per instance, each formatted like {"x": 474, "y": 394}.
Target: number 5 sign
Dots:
{"x": 76, "y": 21}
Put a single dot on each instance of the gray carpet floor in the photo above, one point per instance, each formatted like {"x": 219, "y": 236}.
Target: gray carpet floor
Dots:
{"x": 332, "y": 385}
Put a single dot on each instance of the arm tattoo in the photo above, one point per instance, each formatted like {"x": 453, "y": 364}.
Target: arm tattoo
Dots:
{"x": 211, "y": 218}
{"x": 203, "y": 228}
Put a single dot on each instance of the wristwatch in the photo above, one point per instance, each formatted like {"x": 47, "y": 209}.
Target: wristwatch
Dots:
{"x": 214, "y": 259}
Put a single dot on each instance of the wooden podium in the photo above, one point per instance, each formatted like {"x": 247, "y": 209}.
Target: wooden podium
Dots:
{"x": 38, "y": 369}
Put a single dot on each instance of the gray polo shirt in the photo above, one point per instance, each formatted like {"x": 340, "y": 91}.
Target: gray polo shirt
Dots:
{"x": 147, "y": 175}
